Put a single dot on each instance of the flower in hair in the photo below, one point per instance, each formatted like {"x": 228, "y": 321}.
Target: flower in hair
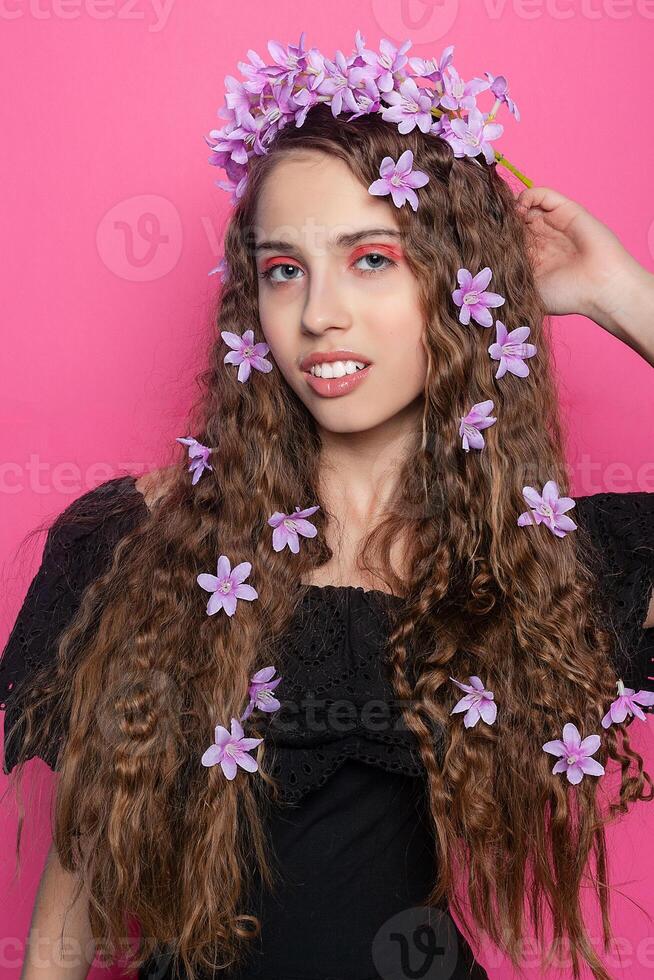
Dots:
{"x": 226, "y": 587}
{"x": 198, "y": 455}
{"x": 399, "y": 179}
{"x": 231, "y": 750}
{"x": 471, "y": 424}
{"x": 627, "y": 703}
{"x": 410, "y": 107}
{"x": 288, "y": 526}
{"x": 510, "y": 350}
{"x": 575, "y": 759}
{"x": 261, "y": 687}
{"x": 246, "y": 353}
{"x": 477, "y": 703}
{"x": 549, "y": 509}
{"x": 472, "y": 136}
{"x": 459, "y": 94}
{"x": 500, "y": 89}
{"x": 222, "y": 268}
{"x": 474, "y": 301}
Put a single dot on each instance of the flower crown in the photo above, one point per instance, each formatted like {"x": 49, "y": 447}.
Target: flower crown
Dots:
{"x": 270, "y": 98}
{"x": 273, "y": 96}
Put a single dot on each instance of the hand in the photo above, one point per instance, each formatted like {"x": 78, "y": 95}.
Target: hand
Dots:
{"x": 580, "y": 266}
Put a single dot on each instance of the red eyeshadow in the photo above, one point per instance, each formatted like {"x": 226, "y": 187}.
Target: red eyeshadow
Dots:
{"x": 278, "y": 260}
{"x": 390, "y": 250}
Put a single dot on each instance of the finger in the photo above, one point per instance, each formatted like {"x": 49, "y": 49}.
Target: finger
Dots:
{"x": 545, "y": 198}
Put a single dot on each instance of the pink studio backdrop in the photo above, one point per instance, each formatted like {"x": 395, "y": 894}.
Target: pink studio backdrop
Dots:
{"x": 114, "y": 221}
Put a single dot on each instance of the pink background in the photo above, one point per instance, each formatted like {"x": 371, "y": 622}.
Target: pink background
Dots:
{"x": 114, "y": 222}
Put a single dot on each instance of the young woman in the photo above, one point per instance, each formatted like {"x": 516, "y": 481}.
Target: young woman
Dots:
{"x": 422, "y": 562}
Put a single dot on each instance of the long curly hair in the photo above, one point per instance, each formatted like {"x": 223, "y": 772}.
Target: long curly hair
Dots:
{"x": 143, "y": 674}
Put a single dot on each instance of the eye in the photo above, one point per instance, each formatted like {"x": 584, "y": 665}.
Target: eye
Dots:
{"x": 388, "y": 263}
{"x": 284, "y": 266}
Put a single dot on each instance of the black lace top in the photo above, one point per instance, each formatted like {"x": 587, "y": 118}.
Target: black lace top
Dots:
{"x": 358, "y": 856}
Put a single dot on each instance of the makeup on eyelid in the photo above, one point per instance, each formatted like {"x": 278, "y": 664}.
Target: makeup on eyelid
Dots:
{"x": 390, "y": 252}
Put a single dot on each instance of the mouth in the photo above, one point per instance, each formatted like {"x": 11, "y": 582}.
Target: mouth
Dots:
{"x": 335, "y": 387}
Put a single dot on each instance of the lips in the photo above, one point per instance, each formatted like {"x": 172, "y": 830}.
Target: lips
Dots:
{"x": 335, "y": 387}
{"x": 328, "y": 357}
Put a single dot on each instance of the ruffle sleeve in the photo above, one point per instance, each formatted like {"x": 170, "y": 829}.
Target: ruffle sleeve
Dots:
{"x": 621, "y": 531}
{"x": 77, "y": 550}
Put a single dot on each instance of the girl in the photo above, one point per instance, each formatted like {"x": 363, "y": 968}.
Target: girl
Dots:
{"x": 273, "y": 777}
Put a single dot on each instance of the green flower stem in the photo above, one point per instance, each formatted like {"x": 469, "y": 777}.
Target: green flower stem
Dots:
{"x": 499, "y": 158}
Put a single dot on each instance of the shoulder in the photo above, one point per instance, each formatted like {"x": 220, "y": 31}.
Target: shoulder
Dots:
{"x": 619, "y": 522}
{"x": 621, "y": 529}
{"x": 155, "y": 484}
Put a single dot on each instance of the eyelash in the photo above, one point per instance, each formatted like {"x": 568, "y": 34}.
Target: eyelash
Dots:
{"x": 267, "y": 274}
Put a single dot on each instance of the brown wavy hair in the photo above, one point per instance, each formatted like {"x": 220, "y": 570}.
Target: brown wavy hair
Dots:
{"x": 144, "y": 675}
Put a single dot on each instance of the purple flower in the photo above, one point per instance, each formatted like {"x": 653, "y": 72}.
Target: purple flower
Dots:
{"x": 477, "y": 703}
{"x": 500, "y": 89}
{"x": 223, "y": 269}
{"x": 341, "y": 78}
{"x": 238, "y": 100}
{"x": 459, "y": 94}
{"x": 472, "y": 298}
{"x": 226, "y": 587}
{"x": 255, "y": 73}
{"x": 231, "y": 750}
{"x": 288, "y": 526}
{"x": 410, "y": 107}
{"x": 260, "y": 690}
{"x": 198, "y": 454}
{"x": 246, "y": 353}
{"x": 398, "y": 180}
{"x": 510, "y": 349}
{"x": 385, "y": 65}
{"x": 237, "y": 141}
{"x": 359, "y": 58}
{"x": 433, "y": 70}
{"x": 471, "y": 424}
{"x": 237, "y": 178}
{"x": 367, "y": 99}
{"x": 627, "y": 703}
{"x": 549, "y": 509}
{"x": 288, "y": 60}
{"x": 575, "y": 759}
{"x": 472, "y": 136}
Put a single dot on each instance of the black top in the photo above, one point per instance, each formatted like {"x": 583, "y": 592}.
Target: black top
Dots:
{"x": 357, "y": 856}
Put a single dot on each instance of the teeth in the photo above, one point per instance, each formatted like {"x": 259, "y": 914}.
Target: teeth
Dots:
{"x": 336, "y": 369}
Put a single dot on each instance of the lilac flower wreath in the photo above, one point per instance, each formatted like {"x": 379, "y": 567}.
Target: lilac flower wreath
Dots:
{"x": 273, "y": 96}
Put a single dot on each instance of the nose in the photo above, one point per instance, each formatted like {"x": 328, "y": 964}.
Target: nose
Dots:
{"x": 326, "y": 304}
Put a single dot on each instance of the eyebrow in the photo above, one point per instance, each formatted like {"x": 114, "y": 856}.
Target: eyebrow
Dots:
{"x": 340, "y": 241}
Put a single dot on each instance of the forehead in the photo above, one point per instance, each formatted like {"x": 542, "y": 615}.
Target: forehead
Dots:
{"x": 310, "y": 191}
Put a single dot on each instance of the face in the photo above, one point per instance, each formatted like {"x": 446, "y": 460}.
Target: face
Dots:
{"x": 318, "y": 294}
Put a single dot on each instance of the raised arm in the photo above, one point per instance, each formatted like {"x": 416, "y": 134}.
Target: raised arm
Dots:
{"x": 581, "y": 266}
